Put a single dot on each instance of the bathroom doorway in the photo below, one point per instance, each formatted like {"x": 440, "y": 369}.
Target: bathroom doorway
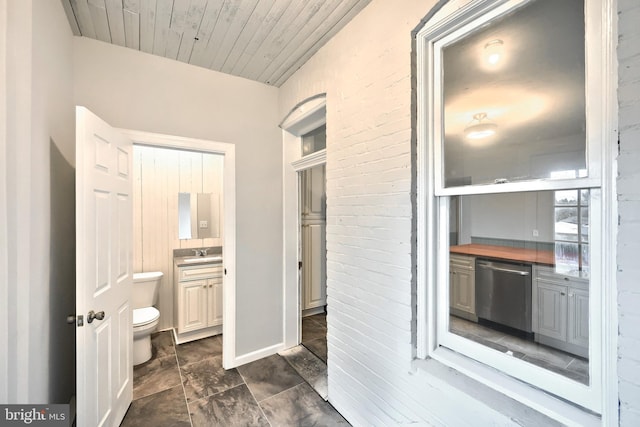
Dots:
{"x": 171, "y": 167}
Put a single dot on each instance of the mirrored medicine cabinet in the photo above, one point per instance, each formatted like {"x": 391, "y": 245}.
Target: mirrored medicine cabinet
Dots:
{"x": 198, "y": 215}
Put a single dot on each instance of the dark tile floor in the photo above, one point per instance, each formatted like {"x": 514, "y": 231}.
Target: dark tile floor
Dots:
{"x": 314, "y": 335}
{"x": 549, "y": 358}
{"x": 186, "y": 385}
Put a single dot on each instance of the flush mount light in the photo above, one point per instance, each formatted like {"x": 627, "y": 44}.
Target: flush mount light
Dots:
{"x": 480, "y": 127}
{"x": 493, "y": 51}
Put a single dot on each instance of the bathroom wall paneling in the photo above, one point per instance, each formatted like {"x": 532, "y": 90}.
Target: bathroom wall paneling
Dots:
{"x": 160, "y": 174}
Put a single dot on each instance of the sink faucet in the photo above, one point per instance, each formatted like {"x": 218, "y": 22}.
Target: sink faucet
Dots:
{"x": 199, "y": 252}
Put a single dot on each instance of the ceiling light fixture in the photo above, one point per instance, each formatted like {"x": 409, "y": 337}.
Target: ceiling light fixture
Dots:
{"x": 480, "y": 127}
{"x": 493, "y": 51}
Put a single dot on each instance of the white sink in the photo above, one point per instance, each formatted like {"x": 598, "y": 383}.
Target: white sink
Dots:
{"x": 202, "y": 259}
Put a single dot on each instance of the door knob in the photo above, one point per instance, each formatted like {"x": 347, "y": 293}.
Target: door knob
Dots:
{"x": 91, "y": 315}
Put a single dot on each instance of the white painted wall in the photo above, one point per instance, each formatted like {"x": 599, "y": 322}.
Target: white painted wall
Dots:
{"x": 4, "y": 276}
{"x": 134, "y": 90}
{"x": 365, "y": 71}
{"x": 159, "y": 174}
{"x": 40, "y": 147}
{"x": 629, "y": 212}
{"x": 511, "y": 216}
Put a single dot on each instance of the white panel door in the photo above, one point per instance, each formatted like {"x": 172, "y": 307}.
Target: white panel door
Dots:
{"x": 104, "y": 261}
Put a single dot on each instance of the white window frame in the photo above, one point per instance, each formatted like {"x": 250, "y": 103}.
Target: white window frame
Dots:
{"x": 433, "y": 338}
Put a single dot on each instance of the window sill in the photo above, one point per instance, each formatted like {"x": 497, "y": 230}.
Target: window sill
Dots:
{"x": 503, "y": 386}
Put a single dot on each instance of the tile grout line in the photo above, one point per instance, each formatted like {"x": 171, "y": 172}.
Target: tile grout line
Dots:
{"x": 184, "y": 392}
{"x": 290, "y": 388}
{"x": 254, "y": 398}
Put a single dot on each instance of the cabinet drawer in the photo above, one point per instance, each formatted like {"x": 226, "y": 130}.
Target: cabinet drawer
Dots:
{"x": 462, "y": 261}
{"x": 548, "y": 274}
{"x": 199, "y": 272}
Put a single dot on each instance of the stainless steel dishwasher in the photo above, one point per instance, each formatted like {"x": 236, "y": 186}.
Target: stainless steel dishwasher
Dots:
{"x": 503, "y": 293}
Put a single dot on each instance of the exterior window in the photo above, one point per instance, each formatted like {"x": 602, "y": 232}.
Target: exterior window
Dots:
{"x": 513, "y": 192}
{"x": 571, "y": 230}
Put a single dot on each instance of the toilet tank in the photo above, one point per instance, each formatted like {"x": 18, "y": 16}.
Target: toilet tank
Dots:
{"x": 145, "y": 289}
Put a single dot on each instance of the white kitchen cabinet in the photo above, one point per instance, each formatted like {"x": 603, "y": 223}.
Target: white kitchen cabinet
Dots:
{"x": 561, "y": 311}
{"x": 462, "y": 286}
{"x": 198, "y": 301}
{"x": 578, "y": 316}
{"x": 314, "y": 266}
{"x": 552, "y": 310}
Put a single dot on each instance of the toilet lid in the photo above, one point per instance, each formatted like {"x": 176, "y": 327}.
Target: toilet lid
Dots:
{"x": 143, "y": 316}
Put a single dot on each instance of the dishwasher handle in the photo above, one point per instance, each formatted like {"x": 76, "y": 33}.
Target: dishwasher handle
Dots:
{"x": 503, "y": 270}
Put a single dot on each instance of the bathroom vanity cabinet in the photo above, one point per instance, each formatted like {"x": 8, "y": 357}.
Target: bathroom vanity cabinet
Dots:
{"x": 198, "y": 301}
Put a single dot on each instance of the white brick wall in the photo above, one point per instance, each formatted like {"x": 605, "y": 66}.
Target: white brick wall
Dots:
{"x": 629, "y": 212}
{"x": 365, "y": 71}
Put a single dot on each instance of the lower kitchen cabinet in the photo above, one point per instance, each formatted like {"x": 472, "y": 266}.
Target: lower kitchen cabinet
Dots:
{"x": 462, "y": 286}
{"x": 198, "y": 302}
{"x": 561, "y": 311}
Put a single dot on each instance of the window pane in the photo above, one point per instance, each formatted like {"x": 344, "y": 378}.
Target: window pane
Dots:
{"x": 585, "y": 258}
{"x": 566, "y": 224}
{"x": 567, "y": 197}
{"x": 508, "y": 277}
{"x": 510, "y": 112}
{"x": 584, "y": 196}
{"x": 315, "y": 140}
{"x": 584, "y": 224}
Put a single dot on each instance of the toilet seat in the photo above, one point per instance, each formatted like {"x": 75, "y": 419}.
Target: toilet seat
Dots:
{"x": 144, "y": 316}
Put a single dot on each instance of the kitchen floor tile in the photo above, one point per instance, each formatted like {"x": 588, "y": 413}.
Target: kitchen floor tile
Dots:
{"x": 233, "y": 407}
{"x": 301, "y": 406}
{"x": 269, "y": 376}
{"x": 207, "y": 377}
{"x": 309, "y": 366}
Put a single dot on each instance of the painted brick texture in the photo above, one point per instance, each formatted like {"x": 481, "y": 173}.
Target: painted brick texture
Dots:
{"x": 629, "y": 211}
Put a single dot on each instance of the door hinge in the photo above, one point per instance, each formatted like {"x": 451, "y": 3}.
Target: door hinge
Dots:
{"x": 225, "y": 271}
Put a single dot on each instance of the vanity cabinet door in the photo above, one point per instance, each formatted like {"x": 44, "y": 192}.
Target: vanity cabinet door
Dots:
{"x": 215, "y": 302}
{"x": 192, "y": 305}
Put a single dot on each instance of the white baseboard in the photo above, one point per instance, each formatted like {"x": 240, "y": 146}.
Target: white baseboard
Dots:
{"x": 258, "y": 354}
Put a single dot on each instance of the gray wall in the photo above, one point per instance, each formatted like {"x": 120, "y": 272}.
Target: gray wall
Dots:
{"x": 135, "y": 90}
{"x": 40, "y": 141}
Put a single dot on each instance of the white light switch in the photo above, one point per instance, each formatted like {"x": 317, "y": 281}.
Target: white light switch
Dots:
{"x": 535, "y": 233}
{"x": 204, "y": 224}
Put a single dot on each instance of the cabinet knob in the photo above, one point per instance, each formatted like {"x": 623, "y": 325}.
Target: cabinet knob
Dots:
{"x": 562, "y": 293}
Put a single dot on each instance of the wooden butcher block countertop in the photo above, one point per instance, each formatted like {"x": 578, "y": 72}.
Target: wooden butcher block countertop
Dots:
{"x": 506, "y": 253}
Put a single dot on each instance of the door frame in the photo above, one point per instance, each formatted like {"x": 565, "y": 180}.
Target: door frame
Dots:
{"x": 229, "y": 359}
{"x": 310, "y": 114}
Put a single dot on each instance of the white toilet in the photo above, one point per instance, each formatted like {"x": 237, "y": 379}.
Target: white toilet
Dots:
{"x": 145, "y": 316}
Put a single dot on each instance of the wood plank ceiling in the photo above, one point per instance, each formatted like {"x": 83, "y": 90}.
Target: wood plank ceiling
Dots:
{"x": 262, "y": 40}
